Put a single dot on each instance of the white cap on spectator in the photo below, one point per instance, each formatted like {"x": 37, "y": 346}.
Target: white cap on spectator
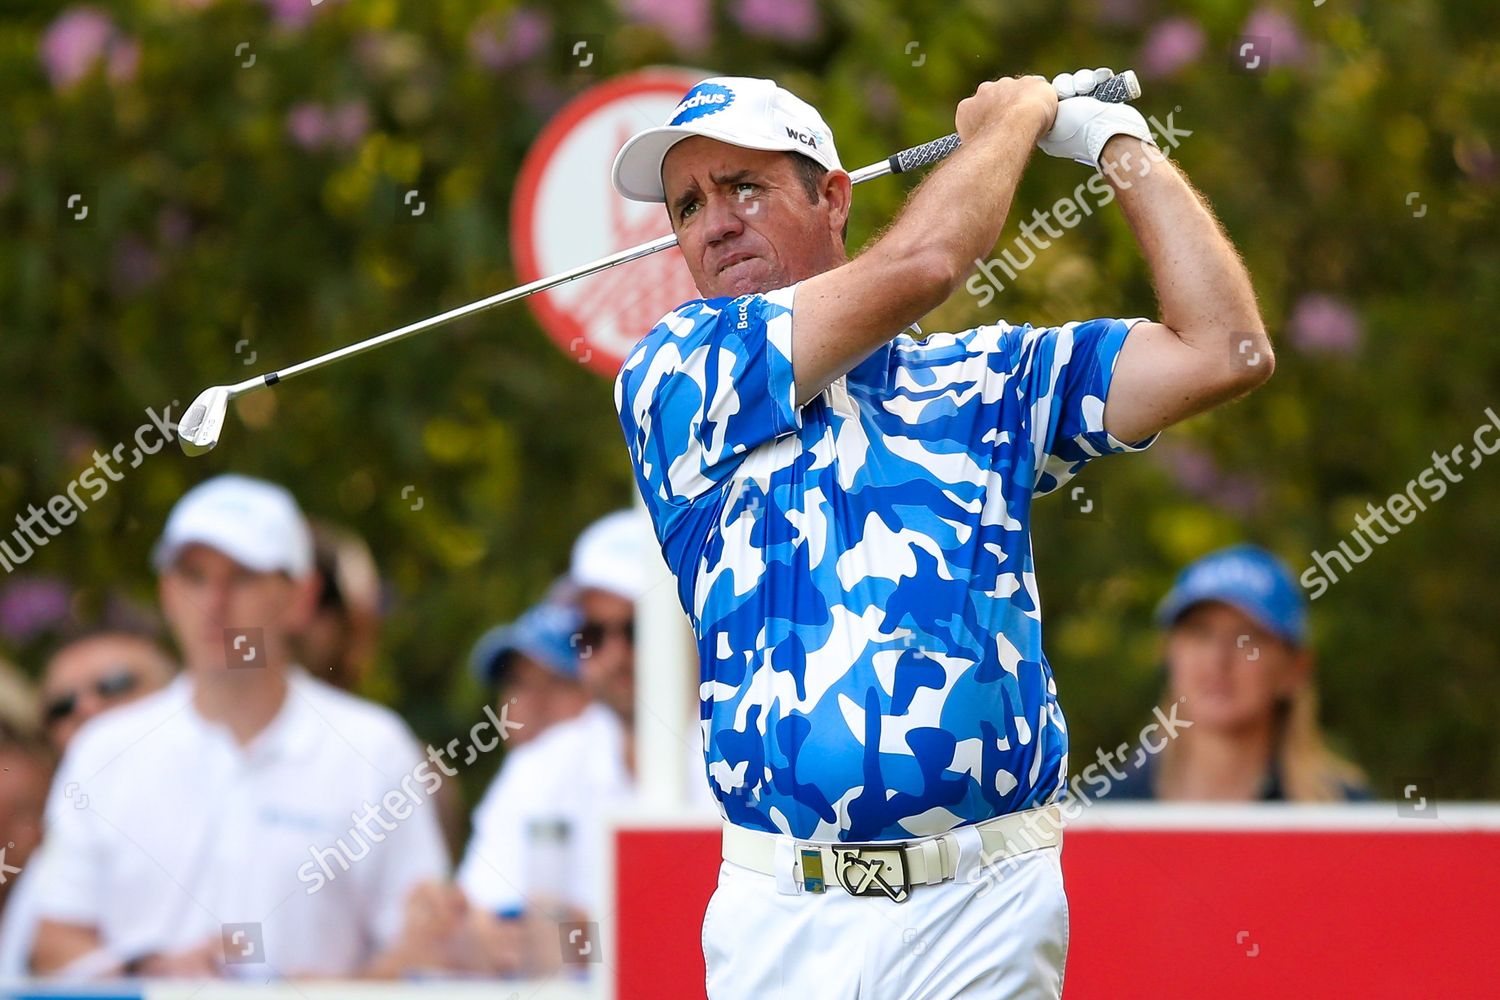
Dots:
{"x": 253, "y": 522}
{"x": 614, "y": 554}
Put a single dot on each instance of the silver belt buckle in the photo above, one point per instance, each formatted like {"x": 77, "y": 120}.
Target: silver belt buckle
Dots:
{"x": 872, "y": 870}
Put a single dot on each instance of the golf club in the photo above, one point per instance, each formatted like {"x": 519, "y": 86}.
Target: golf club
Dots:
{"x": 199, "y": 429}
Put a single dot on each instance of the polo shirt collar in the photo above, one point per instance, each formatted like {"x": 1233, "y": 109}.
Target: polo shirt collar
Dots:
{"x": 293, "y": 732}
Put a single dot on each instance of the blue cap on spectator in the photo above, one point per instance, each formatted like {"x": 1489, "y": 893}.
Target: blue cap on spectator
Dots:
{"x": 1246, "y": 577}
{"x": 544, "y": 633}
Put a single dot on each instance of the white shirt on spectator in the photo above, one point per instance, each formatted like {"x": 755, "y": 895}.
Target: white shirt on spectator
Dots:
{"x": 162, "y": 829}
{"x": 539, "y": 831}
{"x": 18, "y": 924}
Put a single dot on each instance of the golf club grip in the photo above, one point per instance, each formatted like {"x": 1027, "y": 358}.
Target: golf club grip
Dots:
{"x": 1116, "y": 90}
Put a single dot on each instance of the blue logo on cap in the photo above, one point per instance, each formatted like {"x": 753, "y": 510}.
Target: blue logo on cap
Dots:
{"x": 1247, "y": 577}
{"x": 704, "y": 99}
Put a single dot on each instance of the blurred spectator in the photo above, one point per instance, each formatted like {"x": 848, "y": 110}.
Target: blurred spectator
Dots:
{"x": 532, "y": 666}
{"x": 26, "y": 762}
{"x": 535, "y": 853}
{"x": 339, "y": 641}
{"x": 1240, "y": 679}
{"x": 536, "y": 833}
{"x": 95, "y": 673}
{"x": 242, "y": 793}
{"x": 19, "y": 705}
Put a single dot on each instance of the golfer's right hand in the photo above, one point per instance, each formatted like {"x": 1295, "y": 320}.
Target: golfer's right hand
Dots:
{"x": 1004, "y": 105}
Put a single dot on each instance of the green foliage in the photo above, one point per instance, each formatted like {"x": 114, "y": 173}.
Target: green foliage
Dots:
{"x": 213, "y": 229}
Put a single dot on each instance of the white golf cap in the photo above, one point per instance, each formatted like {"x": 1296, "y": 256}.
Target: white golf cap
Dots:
{"x": 253, "y": 522}
{"x": 740, "y": 110}
{"x": 615, "y": 554}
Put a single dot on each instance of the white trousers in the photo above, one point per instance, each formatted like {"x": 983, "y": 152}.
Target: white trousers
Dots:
{"x": 999, "y": 933}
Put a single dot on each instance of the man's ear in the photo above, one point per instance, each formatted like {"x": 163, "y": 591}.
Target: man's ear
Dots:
{"x": 302, "y": 601}
{"x": 839, "y": 191}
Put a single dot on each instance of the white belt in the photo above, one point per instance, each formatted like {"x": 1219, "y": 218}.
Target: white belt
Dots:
{"x": 891, "y": 868}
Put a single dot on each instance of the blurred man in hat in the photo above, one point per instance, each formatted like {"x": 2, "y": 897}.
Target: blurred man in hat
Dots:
{"x": 532, "y": 666}
{"x": 226, "y": 824}
{"x": 534, "y": 857}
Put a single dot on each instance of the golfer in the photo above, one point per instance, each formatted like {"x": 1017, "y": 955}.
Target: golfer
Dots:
{"x": 846, "y": 509}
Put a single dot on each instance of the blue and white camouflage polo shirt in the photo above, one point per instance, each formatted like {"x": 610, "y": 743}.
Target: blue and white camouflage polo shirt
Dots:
{"x": 858, "y": 571}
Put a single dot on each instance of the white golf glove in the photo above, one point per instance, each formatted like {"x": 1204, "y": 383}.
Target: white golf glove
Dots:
{"x": 1083, "y": 124}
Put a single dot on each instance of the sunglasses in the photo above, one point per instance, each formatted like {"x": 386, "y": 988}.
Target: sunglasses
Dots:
{"x": 108, "y": 688}
{"x": 594, "y": 634}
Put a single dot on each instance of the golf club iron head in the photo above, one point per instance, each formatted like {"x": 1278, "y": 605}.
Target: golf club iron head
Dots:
{"x": 198, "y": 431}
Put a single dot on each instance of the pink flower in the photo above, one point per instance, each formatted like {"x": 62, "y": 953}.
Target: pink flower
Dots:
{"x": 307, "y": 125}
{"x": 317, "y": 126}
{"x": 348, "y": 123}
{"x": 1172, "y": 44}
{"x": 1281, "y": 34}
{"x": 135, "y": 265}
{"x": 295, "y": 13}
{"x": 1193, "y": 468}
{"x": 78, "y": 40}
{"x": 1474, "y": 157}
{"x": 32, "y": 605}
{"x": 686, "y": 22}
{"x": 525, "y": 33}
{"x": 1198, "y": 474}
{"x": 786, "y": 20}
{"x": 1321, "y": 324}
{"x": 124, "y": 60}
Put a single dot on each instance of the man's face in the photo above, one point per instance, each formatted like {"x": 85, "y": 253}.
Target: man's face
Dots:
{"x": 537, "y": 697}
{"x": 743, "y": 218}
{"x": 1231, "y": 670}
{"x": 205, "y": 592}
{"x": 607, "y": 649}
{"x": 92, "y": 675}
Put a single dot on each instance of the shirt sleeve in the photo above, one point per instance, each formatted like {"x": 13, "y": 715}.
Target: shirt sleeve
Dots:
{"x": 412, "y": 853}
{"x": 1064, "y": 377}
{"x": 492, "y": 873}
{"x": 711, "y": 382}
{"x": 71, "y": 872}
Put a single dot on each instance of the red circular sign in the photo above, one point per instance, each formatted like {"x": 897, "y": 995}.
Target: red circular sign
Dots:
{"x": 566, "y": 213}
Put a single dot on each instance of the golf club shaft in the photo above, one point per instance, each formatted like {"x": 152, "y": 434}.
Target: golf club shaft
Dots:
{"x": 1120, "y": 88}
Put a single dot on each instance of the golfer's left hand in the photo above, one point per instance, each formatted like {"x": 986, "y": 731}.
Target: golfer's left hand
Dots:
{"x": 1084, "y": 124}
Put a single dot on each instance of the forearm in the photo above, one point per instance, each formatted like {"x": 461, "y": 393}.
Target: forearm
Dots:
{"x": 952, "y": 218}
{"x": 955, "y": 216}
{"x": 58, "y": 945}
{"x": 1202, "y": 288}
{"x": 394, "y": 963}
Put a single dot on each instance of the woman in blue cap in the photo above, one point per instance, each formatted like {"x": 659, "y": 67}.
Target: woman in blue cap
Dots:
{"x": 1239, "y": 669}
